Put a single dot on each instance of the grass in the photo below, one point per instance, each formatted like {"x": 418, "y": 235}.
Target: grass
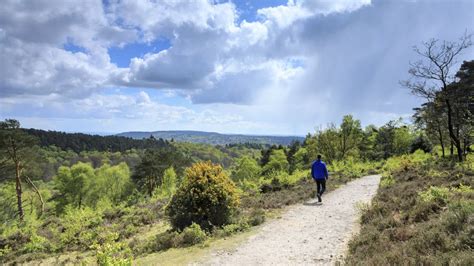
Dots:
{"x": 423, "y": 214}
{"x": 184, "y": 256}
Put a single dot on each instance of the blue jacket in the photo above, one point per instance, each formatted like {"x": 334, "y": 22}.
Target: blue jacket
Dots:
{"x": 319, "y": 170}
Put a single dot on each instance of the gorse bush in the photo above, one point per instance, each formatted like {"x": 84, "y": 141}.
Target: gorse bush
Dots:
{"x": 206, "y": 197}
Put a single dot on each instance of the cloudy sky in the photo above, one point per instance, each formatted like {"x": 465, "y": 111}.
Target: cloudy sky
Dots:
{"x": 253, "y": 67}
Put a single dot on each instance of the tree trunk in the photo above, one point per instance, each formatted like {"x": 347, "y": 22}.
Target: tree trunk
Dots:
{"x": 453, "y": 136}
{"x": 441, "y": 141}
{"x": 37, "y": 193}
{"x": 18, "y": 190}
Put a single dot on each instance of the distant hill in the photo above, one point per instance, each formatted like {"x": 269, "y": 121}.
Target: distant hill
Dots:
{"x": 85, "y": 142}
{"x": 213, "y": 137}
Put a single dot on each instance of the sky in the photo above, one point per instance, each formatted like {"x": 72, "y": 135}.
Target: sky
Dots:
{"x": 251, "y": 67}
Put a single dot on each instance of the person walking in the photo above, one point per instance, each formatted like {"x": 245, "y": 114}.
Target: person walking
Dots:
{"x": 320, "y": 174}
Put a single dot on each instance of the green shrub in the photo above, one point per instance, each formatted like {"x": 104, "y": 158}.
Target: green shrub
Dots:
{"x": 387, "y": 180}
{"x": 206, "y": 197}
{"x": 113, "y": 254}
{"x": 191, "y": 235}
{"x": 458, "y": 215}
{"x": 256, "y": 217}
{"x": 438, "y": 194}
{"x": 80, "y": 226}
{"x": 36, "y": 243}
{"x": 164, "y": 241}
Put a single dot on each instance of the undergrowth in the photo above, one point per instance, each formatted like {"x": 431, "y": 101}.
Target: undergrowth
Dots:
{"x": 423, "y": 214}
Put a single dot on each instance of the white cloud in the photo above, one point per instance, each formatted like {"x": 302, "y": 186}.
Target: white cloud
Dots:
{"x": 32, "y": 55}
{"x": 295, "y": 65}
{"x": 331, "y": 6}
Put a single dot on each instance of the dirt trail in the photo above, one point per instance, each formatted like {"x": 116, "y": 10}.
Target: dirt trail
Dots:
{"x": 307, "y": 233}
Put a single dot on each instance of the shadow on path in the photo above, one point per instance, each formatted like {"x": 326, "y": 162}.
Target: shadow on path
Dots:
{"x": 313, "y": 203}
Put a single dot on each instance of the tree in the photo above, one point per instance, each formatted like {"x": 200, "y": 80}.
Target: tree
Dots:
{"x": 148, "y": 174}
{"x": 110, "y": 182}
{"x": 431, "y": 118}
{"x": 351, "y": 134}
{"x": 367, "y": 143}
{"x": 431, "y": 77}
{"x": 463, "y": 93}
{"x": 277, "y": 162}
{"x": 169, "y": 182}
{"x": 327, "y": 143}
{"x": 81, "y": 185}
{"x": 421, "y": 143}
{"x": 246, "y": 168}
{"x": 73, "y": 183}
{"x": 301, "y": 159}
{"x": 393, "y": 138}
{"x": 15, "y": 152}
{"x": 290, "y": 154}
{"x": 265, "y": 158}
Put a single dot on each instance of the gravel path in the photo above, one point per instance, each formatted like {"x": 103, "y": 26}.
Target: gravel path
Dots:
{"x": 307, "y": 233}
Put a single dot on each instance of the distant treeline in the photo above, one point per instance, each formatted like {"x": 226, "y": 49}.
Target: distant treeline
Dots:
{"x": 78, "y": 142}
{"x": 214, "y": 138}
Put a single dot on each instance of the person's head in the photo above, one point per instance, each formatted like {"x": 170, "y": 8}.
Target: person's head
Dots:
{"x": 319, "y": 156}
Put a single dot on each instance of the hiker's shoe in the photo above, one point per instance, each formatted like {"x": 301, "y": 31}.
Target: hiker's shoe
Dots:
{"x": 319, "y": 198}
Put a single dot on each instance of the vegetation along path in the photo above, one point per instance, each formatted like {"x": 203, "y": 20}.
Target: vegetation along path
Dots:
{"x": 307, "y": 233}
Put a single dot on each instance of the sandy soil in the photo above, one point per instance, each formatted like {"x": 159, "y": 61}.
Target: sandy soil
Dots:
{"x": 308, "y": 233}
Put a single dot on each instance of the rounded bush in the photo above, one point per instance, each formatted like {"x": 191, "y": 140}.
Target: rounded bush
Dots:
{"x": 207, "y": 197}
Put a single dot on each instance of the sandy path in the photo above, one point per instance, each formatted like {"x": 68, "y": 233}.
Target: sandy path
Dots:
{"x": 307, "y": 233}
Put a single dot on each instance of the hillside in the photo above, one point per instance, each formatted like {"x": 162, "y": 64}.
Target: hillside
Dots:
{"x": 212, "y": 137}
{"x": 78, "y": 142}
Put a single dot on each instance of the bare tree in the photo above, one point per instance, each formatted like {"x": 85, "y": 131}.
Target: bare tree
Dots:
{"x": 432, "y": 74}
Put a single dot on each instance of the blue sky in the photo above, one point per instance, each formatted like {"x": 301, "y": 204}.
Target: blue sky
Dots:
{"x": 252, "y": 67}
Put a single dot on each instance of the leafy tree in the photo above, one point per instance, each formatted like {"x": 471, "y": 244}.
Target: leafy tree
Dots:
{"x": 111, "y": 182}
{"x": 402, "y": 140}
{"x": 367, "y": 143}
{"x": 421, "y": 142}
{"x": 462, "y": 96}
{"x": 430, "y": 118}
{"x": 290, "y": 154}
{"x": 325, "y": 142}
{"x": 265, "y": 155}
{"x": 73, "y": 184}
{"x": 336, "y": 143}
{"x": 82, "y": 185}
{"x": 301, "y": 159}
{"x": 16, "y": 156}
{"x": 277, "y": 162}
{"x": 169, "y": 182}
{"x": 246, "y": 168}
{"x": 206, "y": 196}
{"x": 148, "y": 174}
{"x": 350, "y": 136}
{"x": 393, "y": 139}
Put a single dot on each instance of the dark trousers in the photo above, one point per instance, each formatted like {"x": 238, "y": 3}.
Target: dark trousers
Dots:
{"x": 320, "y": 186}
